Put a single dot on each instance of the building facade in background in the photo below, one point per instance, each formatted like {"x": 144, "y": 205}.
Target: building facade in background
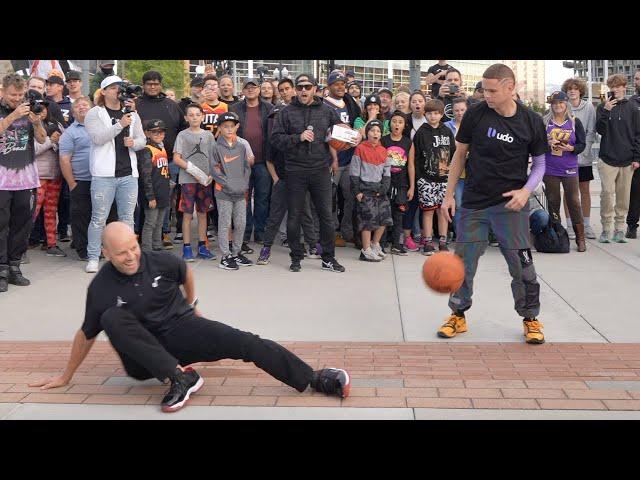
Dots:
{"x": 625, "y": 67}
{"x": 530, "y": 77}
{"x": 372, "y": 74}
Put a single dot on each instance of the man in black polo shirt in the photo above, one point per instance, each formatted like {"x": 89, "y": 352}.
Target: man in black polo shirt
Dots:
{"x": 136, "y": 300}
{"x": 499, "y": 135}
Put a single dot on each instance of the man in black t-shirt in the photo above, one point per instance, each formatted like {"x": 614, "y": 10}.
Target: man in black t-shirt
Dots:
{"x": 156, "y": 329}
{"x": 499, "y": 135}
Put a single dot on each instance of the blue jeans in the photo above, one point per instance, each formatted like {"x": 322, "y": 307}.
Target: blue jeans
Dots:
{"x": 260, "y": 187}
{"x": 173, "y": 171}
{"x": 103, "y": 191}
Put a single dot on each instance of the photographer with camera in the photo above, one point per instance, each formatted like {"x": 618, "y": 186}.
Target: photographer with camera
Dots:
{"x": 116, "y": 134}
{"x": 618, "y": 121}
{"x": 19, "y": 125}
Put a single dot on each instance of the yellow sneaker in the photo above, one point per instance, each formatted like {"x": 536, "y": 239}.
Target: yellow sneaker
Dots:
{"x": 533, "y": 331}
{"x": 454, "y": 325}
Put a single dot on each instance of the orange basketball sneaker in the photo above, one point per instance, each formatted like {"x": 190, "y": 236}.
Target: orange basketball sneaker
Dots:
{"x": 455, "y": 324}
{"x": 533, "y": 331}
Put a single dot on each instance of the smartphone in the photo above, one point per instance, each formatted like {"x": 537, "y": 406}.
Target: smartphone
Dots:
{"x": 453, "y": 88}
{"x": 610, "y": 95}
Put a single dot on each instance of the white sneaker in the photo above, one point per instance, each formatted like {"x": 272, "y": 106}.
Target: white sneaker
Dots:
{"x": 572, "y": 234}
{"x": 377, "y": 249}
{"x": 368, "y": 255}
{"x": 92, "y": 266}
{"x": 589, "y": 233}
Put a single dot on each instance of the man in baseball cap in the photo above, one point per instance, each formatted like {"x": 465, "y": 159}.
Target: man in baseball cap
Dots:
{"x": 336, "y": 76}
{"x": 306, "y": 79}
{"x": 386, "y": 96}
{"x": 250, "y": 81}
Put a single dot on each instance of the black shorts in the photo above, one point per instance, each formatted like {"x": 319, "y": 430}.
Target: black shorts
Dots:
{"x": 585, "y": 174}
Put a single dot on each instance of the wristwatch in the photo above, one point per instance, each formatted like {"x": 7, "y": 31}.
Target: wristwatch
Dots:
{"x": 194, "y": 303}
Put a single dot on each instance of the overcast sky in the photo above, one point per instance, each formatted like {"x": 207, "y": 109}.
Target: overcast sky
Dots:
{"x": 555, "y": 73}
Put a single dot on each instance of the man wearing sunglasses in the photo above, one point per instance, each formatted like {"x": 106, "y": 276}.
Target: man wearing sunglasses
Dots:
{"x": 300, "y": 132}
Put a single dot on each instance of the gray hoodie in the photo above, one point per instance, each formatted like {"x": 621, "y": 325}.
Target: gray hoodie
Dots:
{"x": 587, "y": 115}
{"x": 230, "y": 169}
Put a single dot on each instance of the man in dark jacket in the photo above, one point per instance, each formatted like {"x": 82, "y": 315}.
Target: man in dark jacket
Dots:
{"x": 618, "y": 121}
{"x": 253, "y": 113}
{"x": 300, "y": 133}
{"x": 154, "y": 104}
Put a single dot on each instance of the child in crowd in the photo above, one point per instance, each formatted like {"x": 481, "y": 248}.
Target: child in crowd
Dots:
{"x": 191, "y": 153}
{"x": 434, "y": 145}
{"x": 154, "y": 183}
{"x": 400, "y": 154}
{"x": 370, "y": 179}
{"x": 231, "y": 171}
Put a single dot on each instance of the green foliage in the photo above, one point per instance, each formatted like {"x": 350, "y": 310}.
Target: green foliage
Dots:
{"x": 538, "y": 107}
{"x": 173, "y": 73}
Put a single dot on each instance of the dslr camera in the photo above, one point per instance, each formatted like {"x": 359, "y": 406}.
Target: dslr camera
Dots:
{"x": 128, "y": 91}
{"x": 36, "y": 102}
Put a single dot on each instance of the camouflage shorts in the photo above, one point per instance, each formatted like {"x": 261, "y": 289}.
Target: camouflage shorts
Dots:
{"x": 373, "y": 212}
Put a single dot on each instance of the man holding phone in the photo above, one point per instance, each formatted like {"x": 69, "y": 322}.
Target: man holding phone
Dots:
{"x": 450, "y": 90}
{"x": 618, "y": 121}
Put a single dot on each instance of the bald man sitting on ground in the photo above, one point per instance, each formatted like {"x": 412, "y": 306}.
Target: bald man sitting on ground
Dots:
{"x": 157, "y": 330}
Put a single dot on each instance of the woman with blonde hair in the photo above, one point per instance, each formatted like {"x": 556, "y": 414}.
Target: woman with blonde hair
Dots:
{"x": 566, "y": 138}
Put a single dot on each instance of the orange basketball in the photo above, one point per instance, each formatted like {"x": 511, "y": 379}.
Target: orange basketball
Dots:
{"x": 443, "y": 272}
{"x": 339, "y": 145}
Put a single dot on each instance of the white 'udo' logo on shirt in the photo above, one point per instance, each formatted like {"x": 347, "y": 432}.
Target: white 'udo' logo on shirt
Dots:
{"x": 505, "y": 137}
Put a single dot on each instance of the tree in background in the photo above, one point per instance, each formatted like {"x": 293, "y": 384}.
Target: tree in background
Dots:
{"x": 173, "y": 73}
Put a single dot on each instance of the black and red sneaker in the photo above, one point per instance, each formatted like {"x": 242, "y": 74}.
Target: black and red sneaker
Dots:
{"x": 183, "y": 384}
{"x": 332, "y": 381}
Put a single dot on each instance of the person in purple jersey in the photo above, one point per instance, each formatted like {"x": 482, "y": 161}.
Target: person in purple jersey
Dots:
{"x": 567, "y": 139}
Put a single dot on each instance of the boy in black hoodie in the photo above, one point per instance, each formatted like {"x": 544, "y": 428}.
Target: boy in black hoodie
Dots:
{"x": 153, "y": 166}
{"x": 434, "y": 146}
{"x": 618, "y": 121}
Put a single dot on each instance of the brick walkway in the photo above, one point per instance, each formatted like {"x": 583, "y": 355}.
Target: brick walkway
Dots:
{"x": 421, "y": 375}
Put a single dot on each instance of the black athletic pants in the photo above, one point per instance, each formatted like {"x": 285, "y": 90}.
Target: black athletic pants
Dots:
{"x": 318, "y": 183}
{"x": 80, "y": 215}
{"x": 634, "y": 201}
{"x": 195, "y": 339}
{"x": 16, "y": 209}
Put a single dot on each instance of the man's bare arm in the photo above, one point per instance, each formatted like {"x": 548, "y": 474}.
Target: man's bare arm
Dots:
{"x": 79, "y": 350}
